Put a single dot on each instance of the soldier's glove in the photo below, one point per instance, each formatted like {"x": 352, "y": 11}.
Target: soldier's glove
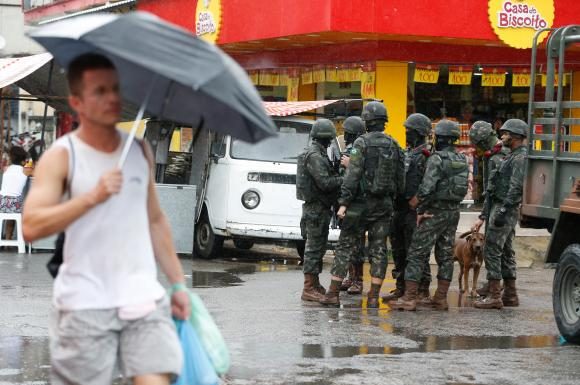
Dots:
{"x": 501, "y": 217}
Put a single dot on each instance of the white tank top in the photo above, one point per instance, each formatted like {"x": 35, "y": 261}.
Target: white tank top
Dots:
{"x": 108, "y": 254}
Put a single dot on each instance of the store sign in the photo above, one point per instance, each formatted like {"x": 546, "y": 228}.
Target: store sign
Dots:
{"x": 426, "y": 74}
{"x": 319, "y": 75}
{"x": 269, "y": 78}
{"x": 355, "y": 73}
{"x": 307, "y": 76}
{"x": 208, "y": 19}
{"x": 254, "y": 76}
{"x": 293, "y": 84}
{"x": 460, "y": 75}
{"x": 493, "y": 77}
{"x": 515, "y": 22}
{"x": 367, "y": 85}
{"x": 331, "y": 75}
{"x": 521, "y": 77}
{"x": 545, "y": 80}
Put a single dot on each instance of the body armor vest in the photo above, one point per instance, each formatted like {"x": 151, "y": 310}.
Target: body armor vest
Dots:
{"x": 383, "y": 163}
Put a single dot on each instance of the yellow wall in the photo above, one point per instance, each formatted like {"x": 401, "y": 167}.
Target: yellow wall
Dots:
{"x": 391, "y": 86}
{"x": 575, "y": 130}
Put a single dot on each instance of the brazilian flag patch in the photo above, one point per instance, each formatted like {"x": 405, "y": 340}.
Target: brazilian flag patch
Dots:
{"x": 354, "y": 153}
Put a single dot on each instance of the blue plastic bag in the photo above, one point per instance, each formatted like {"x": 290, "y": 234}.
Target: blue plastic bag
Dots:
{"x": 197, "y": 368}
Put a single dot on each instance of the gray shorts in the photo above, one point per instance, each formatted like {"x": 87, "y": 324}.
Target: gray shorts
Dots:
{"x": 87, "y": 346}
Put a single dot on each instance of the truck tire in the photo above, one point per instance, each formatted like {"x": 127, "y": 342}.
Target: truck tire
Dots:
{"x": 566, "y": 294}
{"x": 207, "y": 245}
{"x": 300, "y": 247}
{"x": 243, "y": 244}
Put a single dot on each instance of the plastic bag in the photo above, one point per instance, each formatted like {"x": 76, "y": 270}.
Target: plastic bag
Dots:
{"x": 209, "y": 334}
{"x": 197, "y": 368}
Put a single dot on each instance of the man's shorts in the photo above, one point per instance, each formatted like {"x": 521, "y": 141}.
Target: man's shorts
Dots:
{"x": 87, "y": 346}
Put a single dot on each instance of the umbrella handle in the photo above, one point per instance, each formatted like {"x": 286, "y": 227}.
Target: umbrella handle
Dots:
{"x": 138, "y": 118}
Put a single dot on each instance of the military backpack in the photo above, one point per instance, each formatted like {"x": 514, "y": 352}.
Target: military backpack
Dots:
{"x": 453, "y": 185}
{"x": 304, "y": 188}
{"x": 385, "y": 166}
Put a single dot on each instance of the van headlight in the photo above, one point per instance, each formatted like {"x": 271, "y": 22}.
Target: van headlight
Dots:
{"x": 250, "y": 199}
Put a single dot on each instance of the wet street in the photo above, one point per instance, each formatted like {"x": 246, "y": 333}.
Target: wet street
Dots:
{"x": 274, "y": 338}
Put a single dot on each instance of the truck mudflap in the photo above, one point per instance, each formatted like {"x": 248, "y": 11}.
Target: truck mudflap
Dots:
{"x": 566, "y": 294}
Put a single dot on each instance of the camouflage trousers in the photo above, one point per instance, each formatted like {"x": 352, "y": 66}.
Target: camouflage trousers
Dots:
{"x": 350, "y": 240}
{"x": 499, "y": 254}
{"x": 314, "y": 225}
{"x": 402, "y": 229}
{"x": 438, "y": 231}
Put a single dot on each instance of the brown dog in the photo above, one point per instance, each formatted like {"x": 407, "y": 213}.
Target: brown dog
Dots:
{"x": 469, "y": 254}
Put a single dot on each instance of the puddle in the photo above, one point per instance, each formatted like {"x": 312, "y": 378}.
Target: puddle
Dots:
{"x": 231, "y": 276}
{"x": 214, "y": 279}
{"x": 432, "y": 344}
{"x": 23, "y": 359}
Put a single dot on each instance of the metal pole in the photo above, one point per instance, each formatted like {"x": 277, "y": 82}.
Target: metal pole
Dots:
{"x": 46, "y": 107}
{"x": 1, "y": 128}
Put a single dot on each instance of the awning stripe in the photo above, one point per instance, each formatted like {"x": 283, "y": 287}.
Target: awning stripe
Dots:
{"x": 14, "y": 69}
{"x": 292, "y": 108}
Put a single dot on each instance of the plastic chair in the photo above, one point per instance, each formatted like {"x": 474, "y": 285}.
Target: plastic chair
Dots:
{"x": 19, "y": 242}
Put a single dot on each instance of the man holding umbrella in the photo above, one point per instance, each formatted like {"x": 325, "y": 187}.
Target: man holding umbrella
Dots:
{"x": 109, "y": 309}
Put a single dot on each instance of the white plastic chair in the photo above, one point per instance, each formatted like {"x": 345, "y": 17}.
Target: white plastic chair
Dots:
{"x": 19, "y": 241}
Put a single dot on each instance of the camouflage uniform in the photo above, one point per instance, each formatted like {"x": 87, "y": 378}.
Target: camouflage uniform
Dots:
{"x": 405, "y": 218}
{"x": 505, "y": 191}
{"x": 316, "y": 211}
{"x": 365, "y": 210}
{"x": 439, "y": 231}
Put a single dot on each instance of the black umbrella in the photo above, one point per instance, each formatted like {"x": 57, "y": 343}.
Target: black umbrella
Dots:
{"x": 168, "y": 71}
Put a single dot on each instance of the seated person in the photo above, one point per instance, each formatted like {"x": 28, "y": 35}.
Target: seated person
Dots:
{"x": 13, "y": 183}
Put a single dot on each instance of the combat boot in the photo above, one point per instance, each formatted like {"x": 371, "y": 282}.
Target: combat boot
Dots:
{"x": 309, "y": 292}
{"x": 393, "y": 295}
{"x": 439, "y": 299}
{"x": 409, "y": 300}
{"x": 331, "y": 298}
{"x": 373, "y": 296}
{"x": 484, "y": 290}
{"x": 357, "y": 280}
{"x": 510, "y": 294}
{"x": 493, "y": 301}
{"x": 317, "y": 286}
{"x": 423, "y": 294}
{"x": 348, "y": 280}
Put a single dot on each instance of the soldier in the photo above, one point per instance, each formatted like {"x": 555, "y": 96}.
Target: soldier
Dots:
{"x": 505, "y": 193}
{"x": 483, "y": 136}
{"x": 418, "y": 128}
{"x": 443, "y": 188}
{"x": 317, "y": 184}
{"x": 374, "y": 173}
{"x": 353, "y": 283}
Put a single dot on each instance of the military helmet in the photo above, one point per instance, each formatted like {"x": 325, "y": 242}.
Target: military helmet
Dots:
{"x": 515, "y": 126}
{"x": 419, "y": 123}
{"x": 354, "y": 125}
{"x": 447, "y": 128}
{"x": 482, "y": 134}
{"x": 323, "y": 129}
{"x": 374, "y": 111}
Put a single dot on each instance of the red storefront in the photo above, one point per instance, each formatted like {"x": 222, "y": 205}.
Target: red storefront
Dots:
{"x": 416, "y": 56}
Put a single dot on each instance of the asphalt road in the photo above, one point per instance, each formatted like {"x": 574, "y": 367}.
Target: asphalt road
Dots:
{"x": 274, "y": 338}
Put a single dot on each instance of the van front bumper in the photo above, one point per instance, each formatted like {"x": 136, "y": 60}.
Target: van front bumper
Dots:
{"x": 290, "y": 233}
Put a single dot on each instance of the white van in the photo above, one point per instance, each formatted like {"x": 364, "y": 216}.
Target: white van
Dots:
{"x": 249, "y": 191}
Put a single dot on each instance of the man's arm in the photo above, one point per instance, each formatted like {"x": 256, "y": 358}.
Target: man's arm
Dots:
{"x": 318, "y": 168}
{"x": 44, "y": 214}
{"x": 429, "y": 183}
{"x": 354, "y": 173}
{"x": 163, "y": 247}
{"x": 516, "y": 186}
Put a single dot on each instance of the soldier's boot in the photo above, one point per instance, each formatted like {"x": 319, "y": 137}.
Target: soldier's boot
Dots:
{"x": 318, "y": 286}
{"x": 373, "y": 296}
{"x": 357, "y": 280}
{"x": 484, "y": 290}
{"x": 393, "y": 295}
{"x": 347, "y": 281}
{"x": 493, "y": 300}
{"x": 439, "y": 299}
{"x": 331, "y": 298}
{"x": 409, "y": 300}
{"x": 510, "y": 294}
{"x": 423, "y": 291}
{"x": 309, "y": 292}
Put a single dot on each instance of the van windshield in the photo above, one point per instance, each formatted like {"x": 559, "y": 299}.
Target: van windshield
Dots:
{"x": 291, "y": 140}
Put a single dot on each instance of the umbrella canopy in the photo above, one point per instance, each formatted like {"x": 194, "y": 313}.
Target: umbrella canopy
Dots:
{"x": 189, "y": 80}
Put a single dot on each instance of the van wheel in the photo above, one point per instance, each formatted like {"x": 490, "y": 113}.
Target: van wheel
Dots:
{"x": 207, "y": 245}
{"x": 300, "y": 247}
{"x": 243, "y": 244}
{"x": 566, "y": 294}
